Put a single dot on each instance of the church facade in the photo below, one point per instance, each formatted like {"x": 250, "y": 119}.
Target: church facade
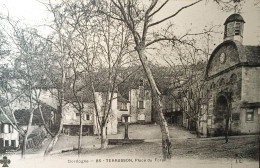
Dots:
{"x": 233, "y": 77}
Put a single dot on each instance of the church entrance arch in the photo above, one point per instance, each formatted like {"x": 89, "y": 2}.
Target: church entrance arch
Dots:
{"x": 221, "y": 114}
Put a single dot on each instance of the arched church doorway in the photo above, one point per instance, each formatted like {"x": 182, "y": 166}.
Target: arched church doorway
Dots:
{"x": 221, "y": 114}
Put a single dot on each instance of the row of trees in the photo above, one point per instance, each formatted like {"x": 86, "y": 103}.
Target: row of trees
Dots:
{"x": 88, "y": 38}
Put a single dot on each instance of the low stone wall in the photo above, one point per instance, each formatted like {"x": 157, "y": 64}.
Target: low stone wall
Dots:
{"x": 124, "y": 141}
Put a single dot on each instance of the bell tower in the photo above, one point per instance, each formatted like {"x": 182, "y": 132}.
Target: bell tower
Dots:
{"x": 234, "y": 26}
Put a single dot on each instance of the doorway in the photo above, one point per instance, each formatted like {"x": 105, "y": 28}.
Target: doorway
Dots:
{"x": 221, "y": 115}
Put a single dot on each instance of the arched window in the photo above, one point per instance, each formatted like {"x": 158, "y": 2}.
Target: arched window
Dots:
{"x": 212, "y": 86}
{"x": 233, "y": 78}
{"x": 221, "y": 82}
{"x": 141, "y": 82}
{"x": 237, "y": 28}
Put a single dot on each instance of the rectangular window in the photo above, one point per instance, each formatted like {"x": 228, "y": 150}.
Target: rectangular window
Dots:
{"x": 141, "y": 104}
{"x": 6, "y": 142}
{"x": 13, "y": 143}
{"x": 141, "y": 95}
{"x": 123, "y": 106}
{"x": 250, "y": 115}
{"x": 87, "y": 117}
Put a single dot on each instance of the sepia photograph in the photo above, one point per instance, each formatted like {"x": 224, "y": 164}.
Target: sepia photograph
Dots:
{"x": 129, "y": 83}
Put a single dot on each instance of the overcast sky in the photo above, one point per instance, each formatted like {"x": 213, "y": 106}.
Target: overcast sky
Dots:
{"x": 194, "y": 18}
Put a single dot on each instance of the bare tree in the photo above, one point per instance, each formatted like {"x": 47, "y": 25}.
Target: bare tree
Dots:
{"x": 102, "y": 47}
{"x": 58, "y": 59}
{"x": 138, "y": 18}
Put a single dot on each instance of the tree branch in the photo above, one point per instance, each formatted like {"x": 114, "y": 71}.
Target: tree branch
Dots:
{"x": 158, "y": 22}
{"x": 159, "y": 8}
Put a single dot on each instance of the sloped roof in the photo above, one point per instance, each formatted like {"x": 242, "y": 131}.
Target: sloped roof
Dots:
{"x": 234, "y": 17}
{"x": 247, "y": 54}
{"x": 3, "y": 119}
{"x": 82, "y": 96}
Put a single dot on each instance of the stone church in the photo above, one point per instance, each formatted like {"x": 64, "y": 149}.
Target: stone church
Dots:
{"x": 233, "y": 77}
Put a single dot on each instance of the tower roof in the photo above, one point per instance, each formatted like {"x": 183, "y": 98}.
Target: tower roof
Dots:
{"x": 234, "y": 17}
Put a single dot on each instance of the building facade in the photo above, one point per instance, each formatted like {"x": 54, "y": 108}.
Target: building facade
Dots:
{"x": 89, "y": 118}
{"x": 123, "y": 109}
{"x": 172, "y": 106}
{"x": 9, "y": 137}
{"x": 233, "y": 77}
{"x": 140, "y": 104}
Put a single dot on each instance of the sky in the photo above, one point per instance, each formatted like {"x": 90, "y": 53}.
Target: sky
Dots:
{"x": 193, "y": 19}
{"x": 203, "y": 14}
{"x": 196, "y": 17}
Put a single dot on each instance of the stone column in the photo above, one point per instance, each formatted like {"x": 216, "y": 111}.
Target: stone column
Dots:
{"x": 126, "y": 127}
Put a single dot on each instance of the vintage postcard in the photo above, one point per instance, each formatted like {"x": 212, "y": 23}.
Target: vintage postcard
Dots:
{"x": 129, "y": 83}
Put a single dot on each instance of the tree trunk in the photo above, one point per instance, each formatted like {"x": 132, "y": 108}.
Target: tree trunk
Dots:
{"x": 97, "y": 127}
{"x": 226, "y": 129}
{"x": 103, "y": 137}
{"x": 197, "y": 128}
{"x": 27, "y": 131}
{"x": 166, "y": 142}
{"x": 23, "y": 147}
{"x": 44, "y": 123}
{"x": 80, "y": 135}
{"x": 54, "y": 140}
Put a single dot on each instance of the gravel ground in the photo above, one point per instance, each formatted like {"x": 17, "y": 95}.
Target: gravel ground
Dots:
{"x": 187, "y": 151}
{"x": 246, "y": 147}
{"x": 147, "y": 132}
{"x": 184, "y": 145}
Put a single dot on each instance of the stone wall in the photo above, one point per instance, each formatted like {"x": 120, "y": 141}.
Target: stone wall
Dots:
{"x": 250, "y": 84}
{"x": 228, "y": 85}
{"x": 231, "y": 58}
{"x": 244, "y": 90}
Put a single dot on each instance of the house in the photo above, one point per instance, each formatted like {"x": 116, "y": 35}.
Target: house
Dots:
{"x": 9, "y": 137}
{"x": 71, "y": 120}
{"x": 90, "y": 126}
{"x": 140, "y": 104}
{"x": 233, "y": 77}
